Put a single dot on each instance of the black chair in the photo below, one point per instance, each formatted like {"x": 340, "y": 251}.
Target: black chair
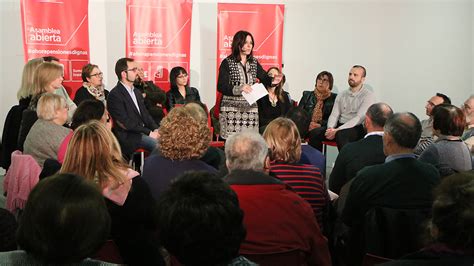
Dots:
{"x": 392, "y": 233}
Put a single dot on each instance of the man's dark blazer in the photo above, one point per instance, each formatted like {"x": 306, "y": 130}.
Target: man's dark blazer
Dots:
{"x": 128, "y": 123}
{"x": 353, "y": 157}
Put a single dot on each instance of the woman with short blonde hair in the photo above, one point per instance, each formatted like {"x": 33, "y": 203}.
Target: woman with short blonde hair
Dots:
{"x": 46, "y": 78}
{"x": 95, "y": 154}
{"x": 284, "y": 141}
{"x": 47, "y": 133}
{"x": 184, "y": 139}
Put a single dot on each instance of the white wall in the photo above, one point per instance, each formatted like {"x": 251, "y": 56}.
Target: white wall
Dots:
{"x": 412, "y": 49}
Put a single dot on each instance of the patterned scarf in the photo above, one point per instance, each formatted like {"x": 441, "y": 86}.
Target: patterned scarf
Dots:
{"x": 98, "y": 93}
{"x": 318, "y": 108}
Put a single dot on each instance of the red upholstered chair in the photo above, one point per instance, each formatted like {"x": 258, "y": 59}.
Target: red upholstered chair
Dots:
{"x": 327, "y": 143}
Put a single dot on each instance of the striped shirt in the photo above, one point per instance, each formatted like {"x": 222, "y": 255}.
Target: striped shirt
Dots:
{"x": 307, "y": 181}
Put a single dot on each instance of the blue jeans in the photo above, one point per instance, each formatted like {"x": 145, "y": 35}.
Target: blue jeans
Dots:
{"x": 148, "y": 143}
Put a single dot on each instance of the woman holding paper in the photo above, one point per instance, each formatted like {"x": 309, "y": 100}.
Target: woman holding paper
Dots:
{"x": 275, "y": 104}
{"x": 237, "y": 73}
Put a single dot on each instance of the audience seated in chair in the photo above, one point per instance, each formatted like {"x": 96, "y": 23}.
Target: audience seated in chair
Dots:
{"x": 359, "y": 154}
{"x": 92, "y": 87}
{"x": 213, "y": 156}
{"x": 133, "y": 125}
{"x": 402, "y": 182}
{"x": 55, "y": 229}
{"x": 309, "y": 155}
{"x": 87, "y": 110}
{"x": 284, "y": 143}
{"x": 345, "y": 122}
{"x": 427, "y": 137}
{"x": 318, "y": 103}
{"x": 48, "y": 132}
{"x": 276, "y": 103}
{"x": 451, "y": 228}
{"x": 94, "y": 153}
{"x": 200, "y": 222}
{"x": 183, "y": 140}
{"x": 276, "y": 218}
{"x": 47, "y": 78}
{"x": 11, "y": 128}
{"x": 449, "y": 154}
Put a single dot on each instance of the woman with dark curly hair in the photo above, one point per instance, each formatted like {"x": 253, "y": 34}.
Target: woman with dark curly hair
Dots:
{"x": 184, "y": 138}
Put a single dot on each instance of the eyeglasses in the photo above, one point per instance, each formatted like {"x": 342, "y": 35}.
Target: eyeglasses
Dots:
{"x": 182, "y": 76}
{"x": 100, "y": 74}
{"x": 135, "y": 69}
{"x": 322, "y": 80}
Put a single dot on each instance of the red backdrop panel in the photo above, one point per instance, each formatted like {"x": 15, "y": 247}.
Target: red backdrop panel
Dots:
{"x": 158, "y": 36}
{"x": 58, "y": 28}
{"x": 264, "y": 21}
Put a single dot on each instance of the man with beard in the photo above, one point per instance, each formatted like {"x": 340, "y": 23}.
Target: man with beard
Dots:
{"x": 345, "y": 122}
{"x": 133, "y": 125}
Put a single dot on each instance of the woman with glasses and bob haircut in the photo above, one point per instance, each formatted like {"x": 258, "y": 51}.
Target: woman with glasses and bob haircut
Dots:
{"x": 92, "y": 86}
{"x": 95, "y": 154}
{"x": 180, "y": 92}
{"x": 306, "y": 180}
{"x": 318, "y": 103}
{"x": 48, "y": 132}
{"x": 65, "y": 221}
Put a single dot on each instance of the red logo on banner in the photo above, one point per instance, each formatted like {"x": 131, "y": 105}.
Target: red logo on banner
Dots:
{"x": 265, "y": 22}
{"x": 60, "y": 29}
{"x": 158, "y": 36}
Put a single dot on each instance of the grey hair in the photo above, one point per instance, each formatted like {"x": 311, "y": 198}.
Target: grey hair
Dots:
{"x": 246, "y": 150}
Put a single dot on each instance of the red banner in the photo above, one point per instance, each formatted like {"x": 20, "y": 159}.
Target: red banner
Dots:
{"x": 265, "y": 22}
{"x": 158, "y": 36}
{"x": 58, "y": 28}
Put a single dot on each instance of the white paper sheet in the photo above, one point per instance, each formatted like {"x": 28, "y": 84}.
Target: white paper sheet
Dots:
{"x": 258, "y": 91}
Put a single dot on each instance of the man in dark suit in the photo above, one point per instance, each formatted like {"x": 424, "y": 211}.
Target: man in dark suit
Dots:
{"x": 367, "y": 151}
{"x": 402, "y": 182}
{"x": 133, "y": 125}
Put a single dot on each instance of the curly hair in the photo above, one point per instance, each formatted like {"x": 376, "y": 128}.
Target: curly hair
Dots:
{"x": 182, "y": 137}
{"x": 284, "y": 140}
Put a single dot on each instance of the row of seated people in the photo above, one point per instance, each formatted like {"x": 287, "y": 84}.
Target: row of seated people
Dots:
{"x": 203, "y": 219}
{"x": 274, "y": 140}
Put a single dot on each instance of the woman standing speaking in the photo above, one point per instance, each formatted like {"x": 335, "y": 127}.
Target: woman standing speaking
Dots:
{"x": 237, "y": 73}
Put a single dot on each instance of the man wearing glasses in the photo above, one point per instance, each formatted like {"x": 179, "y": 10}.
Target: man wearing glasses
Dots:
{"x": 345, "y": 122}
{"x": 426, "y": 138}
{"x": 132, "y": 124}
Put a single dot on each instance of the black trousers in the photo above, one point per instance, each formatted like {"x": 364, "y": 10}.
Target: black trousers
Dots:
{"x": 344, "y": 136}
